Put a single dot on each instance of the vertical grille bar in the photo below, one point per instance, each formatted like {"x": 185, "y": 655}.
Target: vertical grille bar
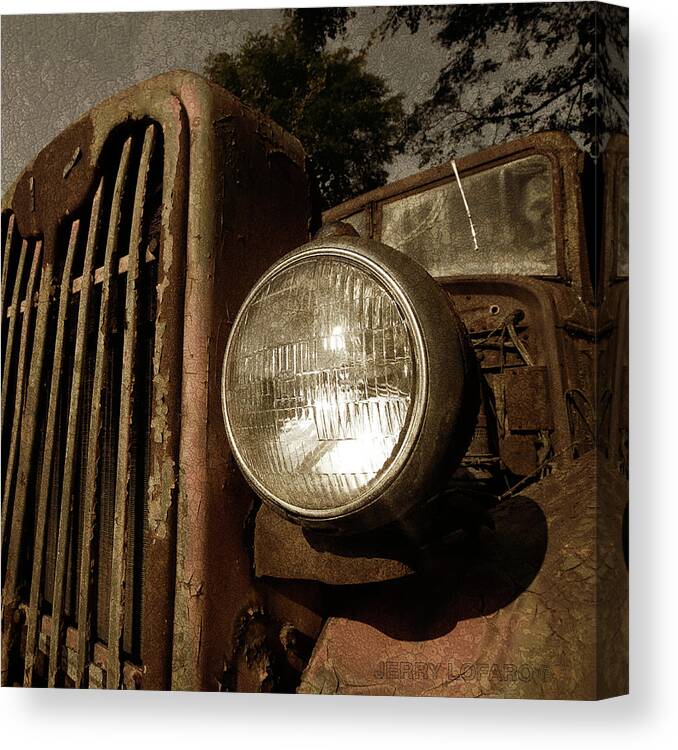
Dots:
{"x": 14, "y": 317}
{"x": 28, "y": 421}
{"x": 93, "y": 452}
{"x": 164, "y": 378}
{"x": 19, "y": 388}
{"x": 5, "y": 262}
{"x": 119, "y": 561}
{"x": 9, "y": 595}
{"x": 47, "y": 460}
{"x": 71, "y": 439}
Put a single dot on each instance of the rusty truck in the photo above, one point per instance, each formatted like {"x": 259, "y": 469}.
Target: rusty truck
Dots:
{"x": 250, "y": 447}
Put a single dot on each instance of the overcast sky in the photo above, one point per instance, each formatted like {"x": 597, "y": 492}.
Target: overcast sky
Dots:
{"x": 56, "y": 67}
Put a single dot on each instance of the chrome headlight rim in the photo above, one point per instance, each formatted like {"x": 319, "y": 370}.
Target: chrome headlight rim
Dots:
{"x": 366, "y": 263}
{"x": 441, "y": 387}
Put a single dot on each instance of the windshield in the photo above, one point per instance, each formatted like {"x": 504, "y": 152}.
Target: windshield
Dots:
{"x": 512, "y": 210}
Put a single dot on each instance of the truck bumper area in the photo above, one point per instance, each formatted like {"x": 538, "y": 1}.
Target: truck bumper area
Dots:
{"x": 537, "y": 609}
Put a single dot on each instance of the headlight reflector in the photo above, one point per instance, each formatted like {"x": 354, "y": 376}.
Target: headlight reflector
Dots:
{"x": 320, "y": 383}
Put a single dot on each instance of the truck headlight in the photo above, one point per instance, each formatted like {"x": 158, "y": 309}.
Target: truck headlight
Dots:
{"x": 344, "y": 377}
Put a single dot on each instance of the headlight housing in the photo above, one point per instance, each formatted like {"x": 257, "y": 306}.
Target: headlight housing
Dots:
{"x": 345, "y": 383}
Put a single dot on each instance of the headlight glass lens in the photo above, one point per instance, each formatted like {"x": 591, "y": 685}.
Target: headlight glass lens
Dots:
{"x": 319, "y": 383}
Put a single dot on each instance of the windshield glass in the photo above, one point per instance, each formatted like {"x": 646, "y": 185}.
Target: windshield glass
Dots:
{"x": 512, "y": 210}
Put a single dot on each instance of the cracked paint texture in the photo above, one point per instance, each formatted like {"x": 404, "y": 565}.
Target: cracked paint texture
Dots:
{"x": 562, "y": 633}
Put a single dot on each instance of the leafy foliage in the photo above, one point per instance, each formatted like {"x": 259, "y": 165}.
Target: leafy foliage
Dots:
{"x": 314, "y": 26}
{"x": 346, "y": 118}
{"x": 518, "y": 68}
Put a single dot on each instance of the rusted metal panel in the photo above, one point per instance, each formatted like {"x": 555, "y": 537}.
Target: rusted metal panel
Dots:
{"x": 194, "y": 509}
{"x": 93, "y": 446}
{"x": 47, "y": 460}
{"x": 65, "y": 506}
{"x": 614, "y": 369}
{"x": 283, "y": 550}
{"x": 226, "y": 251}
{"x": 119, "y": 552}
{"x": 498, "y": 625}
{"x": 519, "y": 454}
{"x": 527, "y": 399}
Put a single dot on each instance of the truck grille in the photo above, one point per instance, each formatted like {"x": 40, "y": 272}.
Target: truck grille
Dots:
{"x": 78, "y": 324}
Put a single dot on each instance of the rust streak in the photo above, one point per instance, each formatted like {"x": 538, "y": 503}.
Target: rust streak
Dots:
{"x": 160, "y": 534}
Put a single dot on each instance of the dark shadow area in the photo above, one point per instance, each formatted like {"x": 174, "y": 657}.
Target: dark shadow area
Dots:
{"x": 454, "y": 510}
{"x": 625, "y": 535}
{"x": 472, "y": 576}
